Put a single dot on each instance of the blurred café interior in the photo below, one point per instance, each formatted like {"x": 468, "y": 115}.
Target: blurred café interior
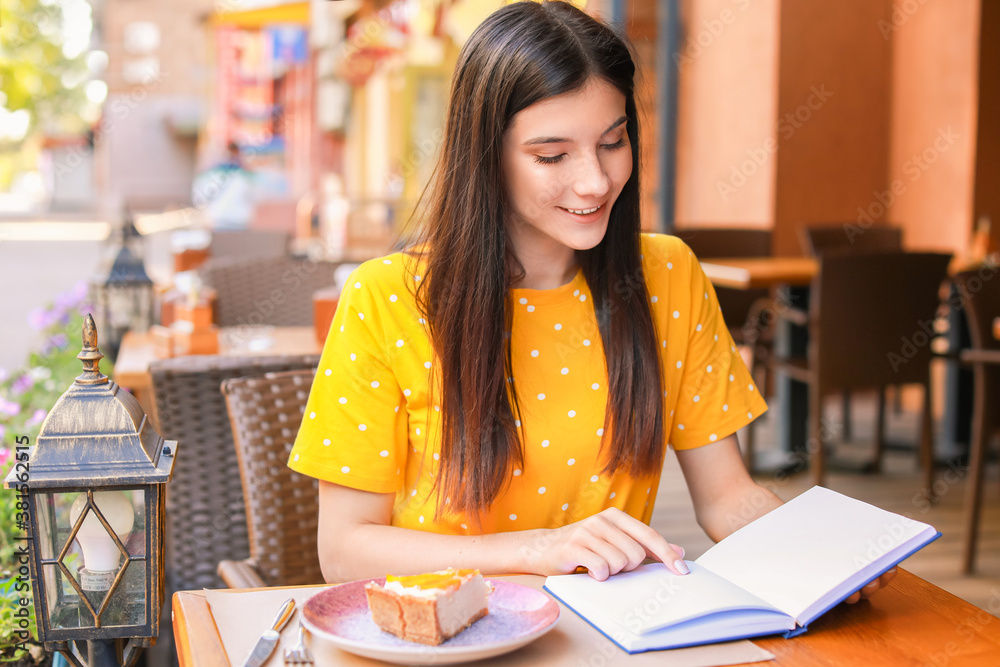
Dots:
{"x": 834, "y": 165}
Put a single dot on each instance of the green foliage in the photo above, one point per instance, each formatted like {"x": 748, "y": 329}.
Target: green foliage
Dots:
{"x": 35, "y": 74}
{"x": 14, "y": 621}
{"x": 26, "y": 396}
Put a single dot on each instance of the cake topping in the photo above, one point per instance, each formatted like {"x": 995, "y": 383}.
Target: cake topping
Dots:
{"x": 450, "y": 578}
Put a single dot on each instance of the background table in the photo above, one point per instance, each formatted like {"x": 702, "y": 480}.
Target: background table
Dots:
{"x": 912, "y": 622}
{"x": 137, "y": 353}
{"x": 754, "y": 272}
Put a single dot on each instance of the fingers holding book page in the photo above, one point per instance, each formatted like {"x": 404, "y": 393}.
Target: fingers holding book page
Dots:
{"x": 871, "y": 587}
{"x": 605, "y": 544}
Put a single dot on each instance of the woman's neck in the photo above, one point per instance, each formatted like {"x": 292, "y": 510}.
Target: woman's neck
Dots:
{"x": 545, "y": 271}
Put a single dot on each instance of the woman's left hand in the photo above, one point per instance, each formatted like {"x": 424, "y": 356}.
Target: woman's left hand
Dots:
{"x": 873, "y": 586}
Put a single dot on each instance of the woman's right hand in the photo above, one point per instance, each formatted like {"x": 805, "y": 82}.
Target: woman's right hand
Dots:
{"x": 605, "y": 544}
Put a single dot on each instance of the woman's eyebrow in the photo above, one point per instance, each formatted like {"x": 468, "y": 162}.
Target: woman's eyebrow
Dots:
{"x": 561, "y": 140}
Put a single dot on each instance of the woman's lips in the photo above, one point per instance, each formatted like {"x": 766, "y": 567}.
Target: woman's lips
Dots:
{"x": 585, "y": 214}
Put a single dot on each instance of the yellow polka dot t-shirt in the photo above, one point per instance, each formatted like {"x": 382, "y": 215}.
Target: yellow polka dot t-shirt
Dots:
{"x": 371, "y": 423}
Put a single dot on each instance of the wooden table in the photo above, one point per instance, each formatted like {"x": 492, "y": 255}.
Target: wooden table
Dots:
{"x": 912, "y": 622}
{"x": 137, "y": 352}
{"x": 754, "y": 272}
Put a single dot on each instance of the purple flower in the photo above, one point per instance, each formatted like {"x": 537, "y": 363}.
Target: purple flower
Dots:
{"x": 40, "y": 319}
{"x": 9, "y": 408}
{"x": 59, "y": 341}
{"x": 3, "y": 431}
{"x": 36, "y": 418}
{"x": 3, "y": 374}
{"x": 22, "y": 384}
{"x": 4, "y": 452}
{"x": 65, "y": 301}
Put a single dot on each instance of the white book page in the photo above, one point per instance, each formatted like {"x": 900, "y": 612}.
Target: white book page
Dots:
{"x": 717, "y": 627}
{"x": 652, "y": 597}
{"x": 798, "y": 553}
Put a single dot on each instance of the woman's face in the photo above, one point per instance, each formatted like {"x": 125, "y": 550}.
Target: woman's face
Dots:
{"x": 565, "y": 160}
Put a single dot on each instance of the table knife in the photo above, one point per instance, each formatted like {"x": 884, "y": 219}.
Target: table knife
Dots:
{"x": 265, "y": 645}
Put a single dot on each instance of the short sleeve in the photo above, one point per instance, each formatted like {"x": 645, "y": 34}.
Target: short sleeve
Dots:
{"x": 353, "y": 432}
{"x": 716, "y": 395}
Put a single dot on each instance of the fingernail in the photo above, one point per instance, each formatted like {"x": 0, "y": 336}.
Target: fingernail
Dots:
{"x": 681, "y": 566}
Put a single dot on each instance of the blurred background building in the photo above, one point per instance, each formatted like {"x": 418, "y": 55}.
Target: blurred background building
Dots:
{"x": 763, "y": 113}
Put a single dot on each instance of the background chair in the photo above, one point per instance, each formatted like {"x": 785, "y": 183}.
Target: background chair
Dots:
{"x": 849, "y": 237}
{"x": 741, "y": 309}
{"x": 206, "y": 512}
{"x": 266, "y": 290}
{"x": 862, "y": 307}
{"x": 817, "y": 239}
{"x": 249, "y": 243}
{"x": 282, "y": 505}
{"x": 980, "y": 292}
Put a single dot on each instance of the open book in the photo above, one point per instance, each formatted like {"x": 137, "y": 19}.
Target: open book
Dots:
{"x": 776, "y": 574}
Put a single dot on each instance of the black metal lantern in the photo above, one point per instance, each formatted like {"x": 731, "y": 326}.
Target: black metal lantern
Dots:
{"x": 96, "y": 483}
{"x": 122, "y": 291}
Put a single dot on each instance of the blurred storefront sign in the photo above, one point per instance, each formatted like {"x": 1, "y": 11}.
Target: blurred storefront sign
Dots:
{"x": 259, "y": 17}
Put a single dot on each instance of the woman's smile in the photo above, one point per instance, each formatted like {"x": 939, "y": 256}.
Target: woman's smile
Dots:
{"x": 565, "y": 161}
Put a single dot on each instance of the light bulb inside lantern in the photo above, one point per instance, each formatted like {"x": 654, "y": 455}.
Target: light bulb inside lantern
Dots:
{"x": 100, "y": 553}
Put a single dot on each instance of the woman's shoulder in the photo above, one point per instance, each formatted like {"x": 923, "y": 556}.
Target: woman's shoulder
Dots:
{"x": 389, "y": 274}
{"x": 664, "y": 252}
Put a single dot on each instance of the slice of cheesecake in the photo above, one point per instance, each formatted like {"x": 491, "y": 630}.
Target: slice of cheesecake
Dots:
{"x": 429, "y": 608}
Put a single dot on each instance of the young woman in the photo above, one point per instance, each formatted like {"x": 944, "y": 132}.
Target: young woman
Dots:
{"x": 501, "y": 396}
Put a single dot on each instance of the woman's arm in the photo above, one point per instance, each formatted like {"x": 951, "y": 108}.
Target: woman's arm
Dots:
{"x": 726, "y": 498}
{"x": 356, "y": 541}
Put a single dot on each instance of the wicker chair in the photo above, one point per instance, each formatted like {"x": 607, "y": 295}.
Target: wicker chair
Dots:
{"x": 863, "y": 307}
{"x": 817, "y": 239}
{"x": 267, "y": 290}
{"x": 249, "y": 244}
{"x": 282, "y": 505}
{"x": 848, "y": 237}
{"x": 206, "y": 515}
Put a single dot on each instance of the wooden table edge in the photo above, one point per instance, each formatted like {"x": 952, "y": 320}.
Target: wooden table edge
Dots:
{"x": 191, "y": 610}
{"x": 759, "y": 272}
{"x": 194, "y": 624}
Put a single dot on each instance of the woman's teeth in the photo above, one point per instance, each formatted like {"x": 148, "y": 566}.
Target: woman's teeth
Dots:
{"x": 583, "y": 211}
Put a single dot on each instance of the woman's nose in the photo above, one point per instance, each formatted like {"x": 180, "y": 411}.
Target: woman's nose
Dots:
{"x": 590, "y": 178}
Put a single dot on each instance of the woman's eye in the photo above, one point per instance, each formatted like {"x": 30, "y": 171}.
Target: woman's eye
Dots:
{"x": 617, "y": 144}
{"x": 544, "y": 159}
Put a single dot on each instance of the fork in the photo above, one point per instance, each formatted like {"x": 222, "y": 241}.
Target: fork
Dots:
{"x": 299, "y": 654}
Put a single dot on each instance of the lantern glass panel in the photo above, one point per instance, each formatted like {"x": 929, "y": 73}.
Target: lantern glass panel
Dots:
{"x": 93, "y": 559}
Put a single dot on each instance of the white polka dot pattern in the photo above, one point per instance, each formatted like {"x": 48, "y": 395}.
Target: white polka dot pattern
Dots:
{"x": 371, "y": 421}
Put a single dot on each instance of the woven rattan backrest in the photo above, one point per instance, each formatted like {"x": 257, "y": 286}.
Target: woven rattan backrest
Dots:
{"x": 282, "y": 505}
{"x": 873, "y": 317}
{"x": 268, "y": 290}
{"x": 818, "y": 239}
{"x": 206, "y": 513}
{"x": 249, "y": 243}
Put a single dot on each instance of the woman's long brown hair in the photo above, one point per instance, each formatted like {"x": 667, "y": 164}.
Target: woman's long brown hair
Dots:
{"x": 524, "y": 53}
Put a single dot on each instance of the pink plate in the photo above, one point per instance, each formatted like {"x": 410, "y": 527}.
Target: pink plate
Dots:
{"x": 518, "y": 615}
